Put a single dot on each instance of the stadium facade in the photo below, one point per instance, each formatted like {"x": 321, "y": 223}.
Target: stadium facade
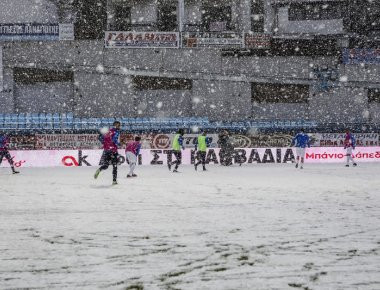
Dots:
{"x": 227, "y": 60}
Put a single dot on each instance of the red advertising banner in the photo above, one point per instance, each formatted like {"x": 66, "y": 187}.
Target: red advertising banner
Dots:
{"x": 257, "y": 41}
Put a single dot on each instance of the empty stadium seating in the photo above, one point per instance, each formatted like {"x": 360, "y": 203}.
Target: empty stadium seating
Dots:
{"x": 68, "y": 122}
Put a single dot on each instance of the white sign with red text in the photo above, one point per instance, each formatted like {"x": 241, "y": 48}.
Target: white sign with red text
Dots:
{"x": 72, "y": 158}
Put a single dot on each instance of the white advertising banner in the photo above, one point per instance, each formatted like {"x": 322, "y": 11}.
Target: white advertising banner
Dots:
{"x": 70, "y": 158}
{"x": 213, "y": 39}
{"x": 36, "y": 31}
{"x": 67, "y": 141}
{"x": 66, "y": 31}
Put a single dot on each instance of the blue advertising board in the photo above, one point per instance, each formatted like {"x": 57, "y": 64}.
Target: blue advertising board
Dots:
{"x": 361, "y": 55}
{"x": 29, "y": 32}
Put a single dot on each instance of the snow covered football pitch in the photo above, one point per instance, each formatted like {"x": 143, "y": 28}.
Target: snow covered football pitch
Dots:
{"x": 263, "y": 226}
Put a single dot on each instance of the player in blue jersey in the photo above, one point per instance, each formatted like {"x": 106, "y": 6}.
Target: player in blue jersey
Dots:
{"x": 301, "y": 140}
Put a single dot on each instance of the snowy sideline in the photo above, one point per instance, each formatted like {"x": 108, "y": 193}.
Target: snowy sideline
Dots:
{"x": 258, "y": 226}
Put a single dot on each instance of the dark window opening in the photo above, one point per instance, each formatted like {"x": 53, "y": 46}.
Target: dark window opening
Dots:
{"x": 374, "y": 95}
{"x": 364, "y": 21}
{"x": 257, "y": 7}
{"x": 167, "y": 18}
{"x": 257, "y": 23}
{"x": 305, "y": 47}
{"x": 157, "y": 83}
{"x": 216, "y": 18}
{"x": 279, "y": 93}
{"x": 122, "y": 18}
{"x": 315, "y": 11}
{"x": 35, "y": 75}
{"x": 91, "y": 19}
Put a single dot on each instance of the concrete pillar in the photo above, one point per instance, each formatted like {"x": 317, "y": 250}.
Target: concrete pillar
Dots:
{"x": 181, "y": 14}
{"x": 245, "y": 15}
{"x": 269, "y": 17}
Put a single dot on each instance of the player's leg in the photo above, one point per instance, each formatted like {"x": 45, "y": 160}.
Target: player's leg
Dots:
{"x": 302, "y": 151}
{"x": 203, "y": 157}
{"x": 178, "y": 155}
{"x": 170, "y": 163}
{"x": 105, "y": 160}
{"x": 114, "y": 161}
{"x": 132, "y": 164}
{"x": 298, "y": 153}
{"x": 348, "y": 156}
{"x": 353, "y": 160}
{"x": 197, "y": 160}
{"x": 8, "y": 156}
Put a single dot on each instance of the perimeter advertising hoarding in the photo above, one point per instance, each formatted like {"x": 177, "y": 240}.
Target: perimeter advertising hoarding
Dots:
{"x": 157, "y": 157}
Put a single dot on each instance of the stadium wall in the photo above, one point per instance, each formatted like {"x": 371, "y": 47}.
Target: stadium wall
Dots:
{"x": 222, "y": 84}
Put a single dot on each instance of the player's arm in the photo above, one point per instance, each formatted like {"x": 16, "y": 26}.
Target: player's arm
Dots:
{"x": 208, "y": 141}
{"x": 115, "y": 138}
{"x": 138, "y": 150}
{"x": 180, "y": 141}
{"x": 294, "y": 141}
{"x": 101, "y": 138}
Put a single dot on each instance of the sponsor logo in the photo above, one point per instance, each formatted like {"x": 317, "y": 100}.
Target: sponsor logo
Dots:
{"x": 72, "y": 161}
{"x": 161, "y": 141}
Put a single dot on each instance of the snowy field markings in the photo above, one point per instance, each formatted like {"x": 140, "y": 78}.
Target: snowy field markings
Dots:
{"x": 249, "y": 227}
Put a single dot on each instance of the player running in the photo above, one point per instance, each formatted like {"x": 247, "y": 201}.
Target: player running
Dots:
{"x": 111, "y": 143}
{"x": 177, "y": 144}
{"x": 4, "y": 153}
{"x": 132, "y": 151}
{"x": 202, "y": 142}
{"x": 349, "y": 145}
{"x": 301, "y": 140}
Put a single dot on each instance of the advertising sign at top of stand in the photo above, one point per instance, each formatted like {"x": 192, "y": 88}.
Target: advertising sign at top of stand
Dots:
{"x": 361, "y": 55}
{"x": 262, "y": 140}
{"x": 36, "y": 32}
{"x": 1, "y": 69}
{"x": 164, "y": 141}
{"x": 22, "y": 142}
{"x": 67, "y": 141}
{"x": 256, "y": 41}
{"x": 133, "y": 39}
{"x": 284, "y": 124}
{"x": 213, "y": 39}
{"x": 337, "y": 139}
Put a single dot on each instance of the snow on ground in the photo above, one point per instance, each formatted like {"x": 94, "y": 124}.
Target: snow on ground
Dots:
{"x": 262, "y": 226}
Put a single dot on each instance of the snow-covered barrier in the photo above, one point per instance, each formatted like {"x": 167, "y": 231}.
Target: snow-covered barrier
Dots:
{"x": 156, "y": 157}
